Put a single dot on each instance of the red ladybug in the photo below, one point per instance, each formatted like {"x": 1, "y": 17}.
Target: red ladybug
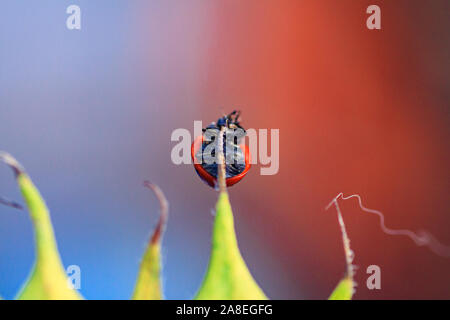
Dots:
{"x": 237, "y": 154}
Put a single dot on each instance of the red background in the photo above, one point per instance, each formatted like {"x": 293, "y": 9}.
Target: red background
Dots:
{"x": 359, "y": 111}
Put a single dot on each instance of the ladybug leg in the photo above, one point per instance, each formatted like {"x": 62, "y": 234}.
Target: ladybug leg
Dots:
{"x": 239, "y": 126}
{"x": 236, "y": 118}
{"x": 230, "y": 117}
{"x": 232, "y": 113}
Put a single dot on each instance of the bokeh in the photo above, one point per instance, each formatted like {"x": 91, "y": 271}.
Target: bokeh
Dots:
{"x": 90, "y": 113}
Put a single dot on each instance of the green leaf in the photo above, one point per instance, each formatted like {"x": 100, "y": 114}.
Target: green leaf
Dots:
{"x": 344, "y": 290}
{"x": 227, "y": 277}
{"x": 148, "y": 284}
{"x": 48, "y": 279}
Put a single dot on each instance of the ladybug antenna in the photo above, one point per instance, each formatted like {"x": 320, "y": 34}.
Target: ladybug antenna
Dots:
{"x": 231, "y": 114}
{"x": 236, "y": 118}
{"x": 236, "y": 114}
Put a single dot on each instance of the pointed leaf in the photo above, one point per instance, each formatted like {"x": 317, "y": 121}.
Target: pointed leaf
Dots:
{"x": 343, "y": 291}
{"x": 148, "y": 283}
{"x": 227, "y": 277}
{"x": 48, "y": 279}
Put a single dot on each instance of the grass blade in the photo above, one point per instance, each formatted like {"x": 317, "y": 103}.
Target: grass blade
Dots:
{"x": 48, "y": 279}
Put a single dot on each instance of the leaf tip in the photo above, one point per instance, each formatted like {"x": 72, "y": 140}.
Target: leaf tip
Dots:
{"x": 148, "y": 283}
{"x": 9, "y": 160}
{"x": 164, "y": 211}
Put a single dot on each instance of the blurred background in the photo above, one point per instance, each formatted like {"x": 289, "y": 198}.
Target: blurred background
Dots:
{"x": 89, "y": 113}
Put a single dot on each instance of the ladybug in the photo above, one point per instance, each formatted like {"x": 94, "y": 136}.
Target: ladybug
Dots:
{"x": 236, "y": 153}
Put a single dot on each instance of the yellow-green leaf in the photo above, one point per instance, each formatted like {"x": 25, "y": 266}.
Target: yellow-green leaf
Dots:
{"x": 48, "y": 279}
{"x": 148, "y": 284}
{"x": 227, "y": 277}
{"x": 343, "y": 291}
